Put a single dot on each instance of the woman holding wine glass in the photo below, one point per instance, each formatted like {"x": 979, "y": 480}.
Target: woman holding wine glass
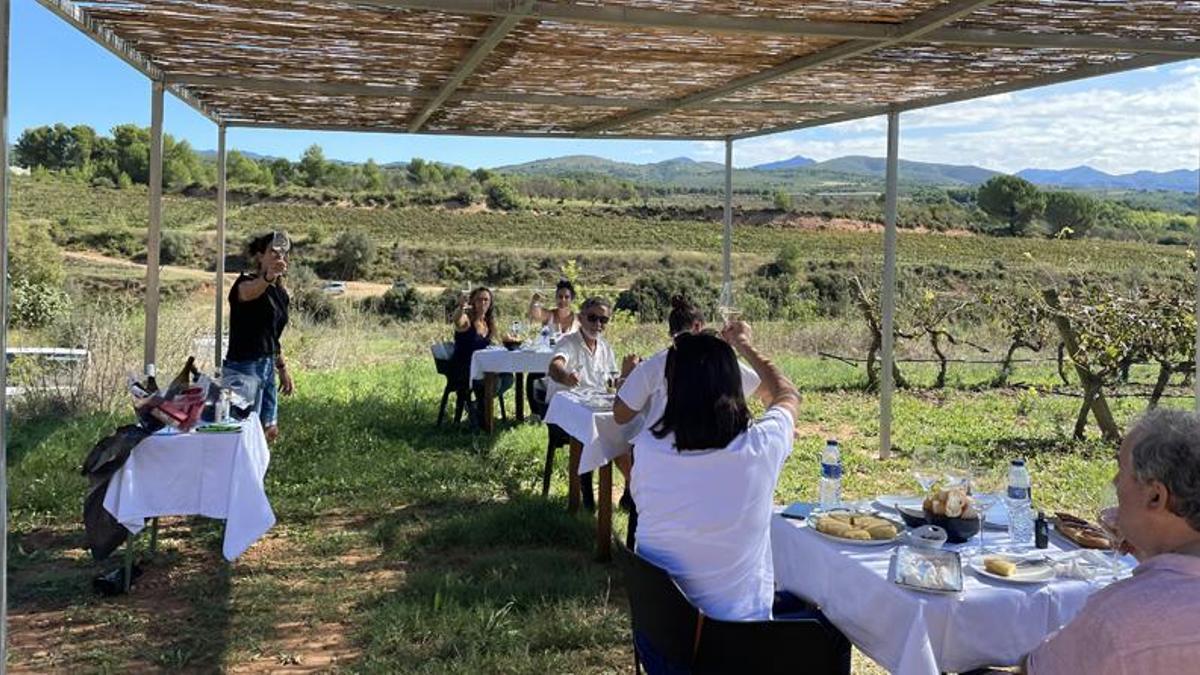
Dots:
{"x": 258, "y": 313}
{"x": 475, "y": 329}
{"x": 561, "y": 319}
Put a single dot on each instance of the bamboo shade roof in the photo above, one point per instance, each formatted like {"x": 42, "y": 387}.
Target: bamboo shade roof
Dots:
{"x": 616, "y": 68}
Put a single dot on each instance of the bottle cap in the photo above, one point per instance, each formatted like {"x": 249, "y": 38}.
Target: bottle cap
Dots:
{"x": 831, "y": 441}
{"x": 1018, "y": 462}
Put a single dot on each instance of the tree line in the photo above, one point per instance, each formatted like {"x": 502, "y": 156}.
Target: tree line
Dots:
{"x": 122, "y": 159}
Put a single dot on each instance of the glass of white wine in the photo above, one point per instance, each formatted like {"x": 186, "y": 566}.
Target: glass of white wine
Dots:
{"x": 725, "y": 307}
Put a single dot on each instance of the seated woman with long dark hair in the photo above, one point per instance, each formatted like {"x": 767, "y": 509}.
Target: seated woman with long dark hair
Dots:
{"x": 475, "y": 329}
{"x": 562, "y": 318}
{"x": 704, "y": 479}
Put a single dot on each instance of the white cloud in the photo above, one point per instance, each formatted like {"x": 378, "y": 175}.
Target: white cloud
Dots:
{"x": 1111, "y": 129}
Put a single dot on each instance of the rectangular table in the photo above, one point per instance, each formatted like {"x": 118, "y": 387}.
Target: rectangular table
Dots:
{"x": 990, "y": 623}
{"x": 596, "y": 440}
{"x": 213, "y": 475}
{"x": 486, "y": 364}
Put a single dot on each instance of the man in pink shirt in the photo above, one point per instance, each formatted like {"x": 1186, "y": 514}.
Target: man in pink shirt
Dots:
{"x": 1149, "y": 623}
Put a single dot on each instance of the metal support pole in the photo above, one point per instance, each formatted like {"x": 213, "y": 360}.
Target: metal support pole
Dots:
{"x": 219, "y": 300}
{"x": 4, "y": 16}
{"x": 154, "y": 235}
{"x": 888, "y": 301}
{"x": 1196, "y": 375}
{"x": 727, "y": 242}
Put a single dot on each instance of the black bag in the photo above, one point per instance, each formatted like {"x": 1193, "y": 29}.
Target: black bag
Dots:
{"x": 102, "y": 533}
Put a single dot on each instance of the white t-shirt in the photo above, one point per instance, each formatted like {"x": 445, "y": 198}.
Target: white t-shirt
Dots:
{"x": 645, "y": 389}
{"x": 704, "y": 516}
{"x": 591, "y": 367}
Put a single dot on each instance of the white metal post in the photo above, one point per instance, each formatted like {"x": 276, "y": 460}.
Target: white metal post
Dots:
{"x": 4, "y": 15}
{"x": 888, "y": 301}
{"x": 727, "y": 243}
{"x": 1196, "y": 375}
{"x": 219, "y": 300}
{"x": 154, "y": 235}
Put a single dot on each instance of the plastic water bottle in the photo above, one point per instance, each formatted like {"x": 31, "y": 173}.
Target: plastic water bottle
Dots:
{"x": 830, "y": 487}
{"x": 545, "y": 339}
{"x": 1020, "y": 504}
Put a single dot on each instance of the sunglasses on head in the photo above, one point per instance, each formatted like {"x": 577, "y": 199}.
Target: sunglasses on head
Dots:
{"x": 597, "y": 318}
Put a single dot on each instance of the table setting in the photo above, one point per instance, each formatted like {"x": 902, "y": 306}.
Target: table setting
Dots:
{"x": 934, "y": 581}
{"x": 513, "y": 355}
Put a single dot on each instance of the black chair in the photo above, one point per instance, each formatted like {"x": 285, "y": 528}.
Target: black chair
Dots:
{"x": 456, "y": 381}
{"x": 555, "y": 439}
{"x": 679, "y": 638}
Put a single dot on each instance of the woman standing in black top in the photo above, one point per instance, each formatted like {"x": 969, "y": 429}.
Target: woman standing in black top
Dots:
{"x": 258, "y": 313}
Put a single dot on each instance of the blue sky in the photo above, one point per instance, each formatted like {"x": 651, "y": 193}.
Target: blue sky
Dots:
{"x": 1148, "y": 119}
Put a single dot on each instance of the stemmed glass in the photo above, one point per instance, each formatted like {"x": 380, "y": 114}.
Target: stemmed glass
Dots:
{"x": 986, "y": 484}
{"x": 925, "y": 459}
{"x": 725, "y": 306}
{"x": 957, "y": 466}
{"x": 613, "y": 376}
{"x": 1107, "y": 518}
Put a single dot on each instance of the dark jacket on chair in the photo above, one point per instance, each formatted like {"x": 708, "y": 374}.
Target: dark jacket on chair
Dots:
{"x": 103, "y": 534}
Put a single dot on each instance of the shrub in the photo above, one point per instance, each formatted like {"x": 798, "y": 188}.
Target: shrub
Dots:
{"x": 501, "y": 195}
{"x": 353, "y": 254}
{"x": 175, "y": 247}
{"x": 316, "y": 304}
{"x": 34, "y": 255}
{"x": 649, "y": 298}
{"x": 401, "y": 303}
{"x": 36, "y": 305}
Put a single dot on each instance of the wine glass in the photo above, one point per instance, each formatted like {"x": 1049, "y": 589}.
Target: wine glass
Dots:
{"x": 725, "y": 306}
{"x": 957, "y": 466}
{"x": 1107, "y": 518}
{"x": 987, "y": 482}
{"x": 925, "y": 459}
{"x": 613, "y": 376}
{"x": 280, "y": 242}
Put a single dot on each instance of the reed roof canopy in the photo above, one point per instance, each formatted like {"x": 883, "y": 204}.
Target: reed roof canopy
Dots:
{"x": 653, "y": 69}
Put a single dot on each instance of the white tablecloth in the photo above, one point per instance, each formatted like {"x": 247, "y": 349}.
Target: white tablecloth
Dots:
{"x": 602, "y": 438}
{"x": 501, "y": 360}
{"x": 914, "y": 633}
{"x": 213, "y": 475}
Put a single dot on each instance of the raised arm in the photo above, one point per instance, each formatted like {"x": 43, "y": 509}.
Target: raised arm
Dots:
{"x": 776, "y": 389}
{"x": 536, "y": 313}
{"x": 461, "y": 319}
{"x": 253, "y": 287}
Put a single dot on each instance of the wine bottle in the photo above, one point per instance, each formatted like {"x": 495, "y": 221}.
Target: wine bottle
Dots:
{"x": 183, "y": 379}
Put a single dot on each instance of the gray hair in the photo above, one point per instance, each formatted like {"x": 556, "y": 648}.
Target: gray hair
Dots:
{"x": 594, "y": 301}
{"x": 1166, "y": 448}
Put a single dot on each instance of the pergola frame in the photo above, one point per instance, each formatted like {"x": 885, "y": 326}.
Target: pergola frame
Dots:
{"x": 850, "y": 40}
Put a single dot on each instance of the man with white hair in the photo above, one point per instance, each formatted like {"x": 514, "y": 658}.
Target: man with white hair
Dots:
{"x": 1149, "y": 623}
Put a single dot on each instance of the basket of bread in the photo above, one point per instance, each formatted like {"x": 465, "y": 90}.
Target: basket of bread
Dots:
{"x": 953, "y": 510}
{"x": 855, "y": 527}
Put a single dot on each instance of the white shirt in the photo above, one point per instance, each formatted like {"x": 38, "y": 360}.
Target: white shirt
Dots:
{"x": 645, "y": 390}
{"x": 592, "y": 368}
{"x": 704, "y": 516}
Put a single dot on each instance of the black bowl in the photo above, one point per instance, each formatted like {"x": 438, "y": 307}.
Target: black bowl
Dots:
{"x": 512, "y": 345}
{"x": 913, "y": 518}
{"x": 958, "y": 530}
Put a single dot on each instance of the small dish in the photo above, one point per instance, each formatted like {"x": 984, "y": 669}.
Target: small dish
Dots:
{"x": 1029, "y": 571}
{"x": 927, "y": 570}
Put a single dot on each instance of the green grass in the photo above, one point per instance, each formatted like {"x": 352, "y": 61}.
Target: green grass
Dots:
{"x": 405, "y": 547}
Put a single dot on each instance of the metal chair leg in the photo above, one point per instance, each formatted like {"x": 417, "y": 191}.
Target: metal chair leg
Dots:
{"x": 548, "y": 469}
{"x": 442, "y": 407}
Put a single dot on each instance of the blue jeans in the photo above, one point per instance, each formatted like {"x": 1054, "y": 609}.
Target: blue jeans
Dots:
{"x": 267, "y": 403}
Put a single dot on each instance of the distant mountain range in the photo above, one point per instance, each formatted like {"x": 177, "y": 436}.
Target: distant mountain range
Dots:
{"x": 799, "y": 171}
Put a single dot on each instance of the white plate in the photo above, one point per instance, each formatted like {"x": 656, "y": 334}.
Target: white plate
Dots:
{"x": 811, "y": 523}
{"x": 1023, "y": 575}
{"x": 889, "y": 502}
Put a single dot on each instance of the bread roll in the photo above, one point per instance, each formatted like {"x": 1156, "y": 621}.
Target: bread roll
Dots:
{"x": 882, "y": 531}
{"x": 999, "y": 566}
{"x": 862, "y": 535}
